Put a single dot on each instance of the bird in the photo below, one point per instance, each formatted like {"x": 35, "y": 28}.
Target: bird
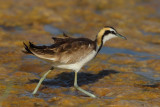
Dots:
{"x": 71, "y": 53}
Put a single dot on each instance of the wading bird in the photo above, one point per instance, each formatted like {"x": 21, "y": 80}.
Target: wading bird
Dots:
{"x": 71, "y": 53}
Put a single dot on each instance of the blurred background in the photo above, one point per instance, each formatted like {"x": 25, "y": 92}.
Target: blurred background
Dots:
{"x": 124, "y": 73}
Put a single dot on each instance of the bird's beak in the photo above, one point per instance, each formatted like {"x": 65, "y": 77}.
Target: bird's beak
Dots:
{"x": 121, "y": 36}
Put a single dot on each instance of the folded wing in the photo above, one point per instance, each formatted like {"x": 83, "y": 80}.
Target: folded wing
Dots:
{"x": 64, "y": 50}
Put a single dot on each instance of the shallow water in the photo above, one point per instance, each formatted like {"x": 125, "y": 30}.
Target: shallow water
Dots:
{"x": 56, "y": 31}
{"x": 124, "y": 73}
{"x": 138, "y": 55}
{"x": 109, "y": 50}
{"x": 150, "y": 75}
{"x": 150, "y": 33}
{"x": 53, "y": 30}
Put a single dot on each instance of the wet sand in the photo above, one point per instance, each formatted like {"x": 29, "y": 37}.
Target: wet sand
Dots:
{"x": 124, "y": 74}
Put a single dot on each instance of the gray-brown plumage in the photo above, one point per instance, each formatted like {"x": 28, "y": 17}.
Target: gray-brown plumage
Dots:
{"x": 64, "y": 50}
{"x": 71, "y": 53}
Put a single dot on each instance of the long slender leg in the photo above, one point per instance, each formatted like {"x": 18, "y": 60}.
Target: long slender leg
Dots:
{"x": 40, "y": 81}
{"x": 80, "y": 89}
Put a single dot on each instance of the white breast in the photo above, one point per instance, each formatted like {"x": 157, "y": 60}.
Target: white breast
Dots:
{"x": 77, "y": 66}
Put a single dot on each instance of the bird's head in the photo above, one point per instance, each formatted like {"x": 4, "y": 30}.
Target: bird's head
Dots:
{"x": 106, "y": 34}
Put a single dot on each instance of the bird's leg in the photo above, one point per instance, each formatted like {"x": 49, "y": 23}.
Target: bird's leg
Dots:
{"x": 40, "y": 81}
{"x": 80, "y": 89}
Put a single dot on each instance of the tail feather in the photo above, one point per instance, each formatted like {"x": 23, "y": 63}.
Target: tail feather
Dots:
{"x": 27, "y": 48}
{"x": 31, "y": 44}
{"x": 65, "y": 35}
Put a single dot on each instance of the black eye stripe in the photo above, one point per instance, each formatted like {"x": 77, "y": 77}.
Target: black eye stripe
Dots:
{"x": 107, "y": 32}
{"x": 113, "y": 32}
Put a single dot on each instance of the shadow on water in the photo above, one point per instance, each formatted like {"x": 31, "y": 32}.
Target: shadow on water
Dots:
{"x": 66, "y": 79}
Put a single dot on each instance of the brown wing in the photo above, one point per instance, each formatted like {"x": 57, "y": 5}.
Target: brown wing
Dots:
{"x": 75, "y": 51}
{"x": 67, "y": 50}
{"x": 61, "y": 39}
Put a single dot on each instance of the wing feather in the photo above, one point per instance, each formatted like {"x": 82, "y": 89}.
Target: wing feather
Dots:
{"x": 69, "y": 50}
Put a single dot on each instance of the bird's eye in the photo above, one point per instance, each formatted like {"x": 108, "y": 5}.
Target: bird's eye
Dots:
{"x": 106, "y": 32}
{"x": 113, "y": 32}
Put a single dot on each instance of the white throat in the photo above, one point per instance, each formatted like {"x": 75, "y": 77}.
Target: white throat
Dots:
{"x": 108, "y": 37}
